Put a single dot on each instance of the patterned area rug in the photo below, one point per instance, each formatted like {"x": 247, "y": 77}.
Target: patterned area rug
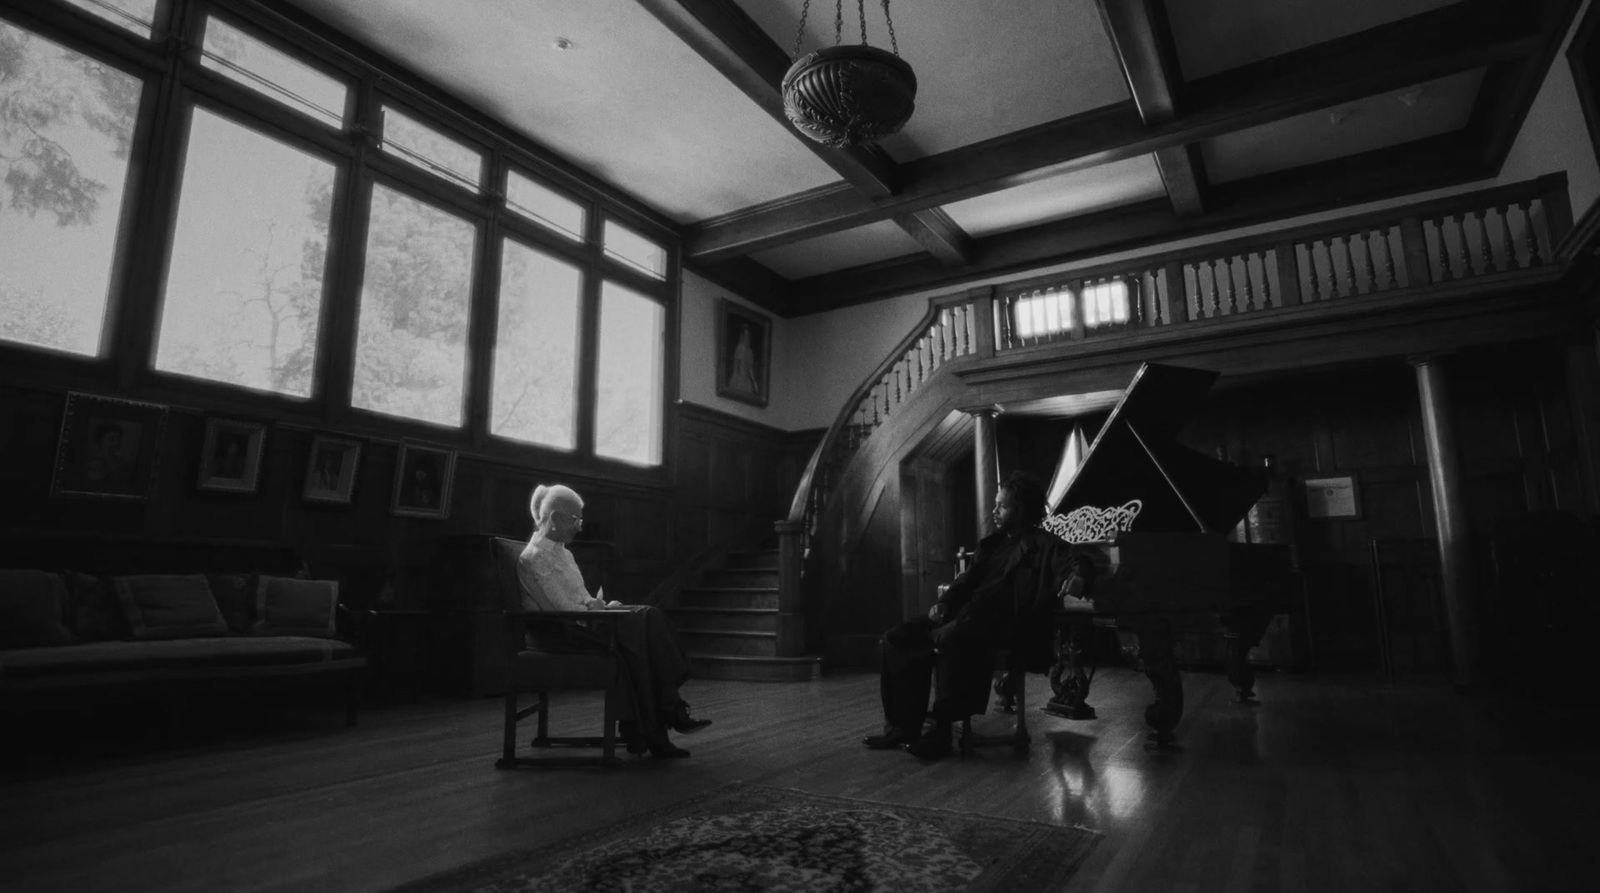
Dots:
{"x": 755, "y": 838}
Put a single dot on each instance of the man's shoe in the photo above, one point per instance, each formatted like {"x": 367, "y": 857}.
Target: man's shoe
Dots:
{"x": 931, "y": 747}
{"x": 887, "y": 741}
{"x": 668, "y": 751}
{"x": 684, "y": 724}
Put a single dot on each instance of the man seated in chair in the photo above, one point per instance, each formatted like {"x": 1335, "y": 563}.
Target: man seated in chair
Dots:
{"x": 1003, "y": 600}
{"x": 656, "y": 664}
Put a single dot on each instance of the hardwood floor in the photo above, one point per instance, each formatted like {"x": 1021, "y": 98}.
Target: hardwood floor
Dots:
{"x": 1329, "y": 784}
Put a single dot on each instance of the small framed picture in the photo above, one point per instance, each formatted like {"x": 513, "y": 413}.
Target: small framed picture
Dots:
{"x": 109, "y": 447}
{"x": 331, "y": 470}
{"x": 1336, "y": 497}
{"x": 744, "y": 353}
{"x": 230, "y": 457}
{"x": 422, "y": 480}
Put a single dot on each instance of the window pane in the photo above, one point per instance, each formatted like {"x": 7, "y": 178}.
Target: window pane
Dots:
{"x": 66, "y": 125}
{"x": 240, "y": 57}
{"x": 536, "y": 349}
{"x": 411, "y": 343}
{"x": 632, "y": 352}
{"x": 545, "y": 206}
{"x": 631, "y": 248}
{"x": 244, "y": 289}
{"x": 430, "y": 150}
{"x": 137, "y": 16}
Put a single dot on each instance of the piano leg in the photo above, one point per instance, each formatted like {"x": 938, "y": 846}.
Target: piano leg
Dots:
{"x": 1068, "y": 678}
{"x": 1242, "y": 630}
{"x": 1153, "y": 647}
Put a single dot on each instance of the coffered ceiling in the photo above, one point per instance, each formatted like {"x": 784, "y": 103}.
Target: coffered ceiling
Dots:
{"x": 1044, "y": 131}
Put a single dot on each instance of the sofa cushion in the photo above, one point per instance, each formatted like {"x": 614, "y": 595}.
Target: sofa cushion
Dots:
{"x": 161, "y": 606}
{"x": 183, "y": 656}
{"x": 291, "y": 607}
{"x": 32, "y": 605}
{"x": 94, "y": 612}
{"x": 236, "y": 599}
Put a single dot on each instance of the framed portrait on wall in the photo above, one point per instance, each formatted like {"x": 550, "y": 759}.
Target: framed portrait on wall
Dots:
{"x": 230, "y": 457}
{"x": 744, "y": 353}
{"x": 109, "y": 449}
{"x": 331, "y": 470}
{"x": 422, "y": 481}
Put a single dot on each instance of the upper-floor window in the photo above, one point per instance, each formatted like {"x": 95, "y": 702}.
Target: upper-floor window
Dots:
{"x": 137, "y": 16}
{"x": 257, "y": 65}
{"x": 243, "y": 297}
{"x": 407, "y": 138}
{"x": 1046, "y": 311}
{"x": 66, "y": 131}
{"x": 635, "y": 250}
{"x": 411, "y": 336}
{"x": 1105, "y": 303}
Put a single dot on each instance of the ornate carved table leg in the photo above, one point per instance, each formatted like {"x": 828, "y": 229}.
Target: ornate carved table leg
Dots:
{"x": 1007, "y": 694}
{"x": 1153, "y": 647}
{"x": 1068, "y": 678}
{"x": 1242, "y": 630}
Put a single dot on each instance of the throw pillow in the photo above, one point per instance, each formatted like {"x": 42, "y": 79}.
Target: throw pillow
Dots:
{"x": 93, "y": 609}
{"x": 31, "y": 610}
{"x": 291, "y": 607}
{"x": 236, "y": 596}
{"x": 169, "y": 607}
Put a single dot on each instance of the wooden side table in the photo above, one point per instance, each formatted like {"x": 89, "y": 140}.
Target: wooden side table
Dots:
{"x": 399, "y": 645}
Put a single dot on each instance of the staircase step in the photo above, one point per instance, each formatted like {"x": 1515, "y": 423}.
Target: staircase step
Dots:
{"x": 729, "y": 597}
{"x": 758, "y": 578}
{"x": 726, "y": 619}
{"x": 740, "y": 643}
{"x": 766, "y": 559}
{"x": 756, "y": 669}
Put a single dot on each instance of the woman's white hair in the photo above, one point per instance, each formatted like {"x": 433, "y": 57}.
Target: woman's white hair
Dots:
{"x": 549, "y": 498}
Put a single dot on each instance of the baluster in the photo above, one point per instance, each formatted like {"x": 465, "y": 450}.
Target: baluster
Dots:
{"x": 1307, "y": 272}
{"x": 1508, "y": 248}
{"x": 1349, "y": 265}
{"x": 1332, "y": 281}
{"x": 1529, "y": 237}
{"x": 1445, "y": 273}
{"x": 1133, "y": 282}
{"x": 1263, "y": 258}
{"x": 1468, "y": 269}
{"x": 961, "y": 331}
{"x": 1388, "y": 259}
{"x": 1155, "y": 298}
{"x": 1233, "y": 287}
{"x": 1209, "y": 306}
{"x": 1371, "y": 276}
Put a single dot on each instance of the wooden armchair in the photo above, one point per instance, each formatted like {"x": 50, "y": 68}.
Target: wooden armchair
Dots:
{"x": 551, "y": 665}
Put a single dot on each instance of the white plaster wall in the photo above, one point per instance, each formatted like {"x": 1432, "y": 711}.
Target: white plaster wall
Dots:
{"x": 697, "y": 373}
{"x": 832, "y": 353}
{"x": 1555, "y": 137}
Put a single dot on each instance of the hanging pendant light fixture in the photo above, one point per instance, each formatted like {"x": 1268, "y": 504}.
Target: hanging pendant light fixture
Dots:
{"x": 849, "y": 95}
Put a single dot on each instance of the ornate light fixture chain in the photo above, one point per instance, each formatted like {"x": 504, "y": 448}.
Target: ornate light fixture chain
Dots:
{"x": 893, "y": 44}
{"x": 800, "y": 32}
{"x": 838, "y": 22}
{"x": 861, "y": 13}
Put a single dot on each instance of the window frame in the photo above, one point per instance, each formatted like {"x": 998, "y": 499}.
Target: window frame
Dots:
{"x": 175, "y": 83}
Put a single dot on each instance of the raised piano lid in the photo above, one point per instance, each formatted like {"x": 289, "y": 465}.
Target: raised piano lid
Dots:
{"x": 1136, "y": 456}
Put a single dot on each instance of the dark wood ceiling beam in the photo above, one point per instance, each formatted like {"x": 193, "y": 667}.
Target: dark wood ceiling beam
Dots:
{"x": 1143, "y": 39}
{"x": 1447, "y": 41}
{"x": 1432, "y": 163}
{"x": 724, "y": 35}
{"x": 938, "y": 235}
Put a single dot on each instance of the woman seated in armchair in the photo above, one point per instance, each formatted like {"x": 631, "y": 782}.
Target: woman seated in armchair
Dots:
{"x": 656, "y": 664}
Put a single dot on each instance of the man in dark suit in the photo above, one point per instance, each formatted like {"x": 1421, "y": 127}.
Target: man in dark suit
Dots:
{"x": 1003, "y": 600}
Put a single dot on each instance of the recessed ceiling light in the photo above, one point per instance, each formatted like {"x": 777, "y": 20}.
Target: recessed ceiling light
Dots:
{"x": 562, "y": 43}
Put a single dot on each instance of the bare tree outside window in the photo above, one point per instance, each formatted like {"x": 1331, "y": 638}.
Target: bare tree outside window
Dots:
{"x": 411, "y": 343}
{"x": 66, "y": 126}
{"x": 536, "y": 349}
{"x": 244, "y": 290}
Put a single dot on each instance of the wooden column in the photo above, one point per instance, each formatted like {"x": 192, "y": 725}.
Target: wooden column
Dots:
{"x": 1450, "y": 514}
{"x": 987, "y": 459}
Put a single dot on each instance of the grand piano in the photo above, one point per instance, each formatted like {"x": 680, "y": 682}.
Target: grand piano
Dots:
{"x": 1156, "y": 515}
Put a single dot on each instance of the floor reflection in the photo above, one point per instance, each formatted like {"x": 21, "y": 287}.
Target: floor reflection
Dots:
{"x": 1083, "y": 793}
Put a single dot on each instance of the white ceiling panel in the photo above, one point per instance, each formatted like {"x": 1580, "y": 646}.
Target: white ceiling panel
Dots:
{"x": 1216, "y": 35}
{"x": 1389, "y": 119}
{"x": 629, "y": 101}
{"x": 983, "y": 68}
{"x": 836, "y": 251}
{"x": 1056, "y": 198}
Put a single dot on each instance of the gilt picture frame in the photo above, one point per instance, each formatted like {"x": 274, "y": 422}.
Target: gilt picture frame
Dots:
{"x": 109, "y": 448}
{"x": 423, "y": 479}
{"x": 744, "y": 353}
{"x": 331, "y": 467}
{"x": 230, "y": 456}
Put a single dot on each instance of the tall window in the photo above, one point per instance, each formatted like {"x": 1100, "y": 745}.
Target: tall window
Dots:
{"x": 137, "y": 16}
{"x": 628, "y": 409}
{"x": 411, "y": 347}
{"x": 66, "y": 127}
{"x": 244, "y": 288}
{"x": 536, "y": 349}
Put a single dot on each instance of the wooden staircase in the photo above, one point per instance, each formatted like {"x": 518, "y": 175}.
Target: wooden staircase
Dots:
{"x": 728, "y": 621}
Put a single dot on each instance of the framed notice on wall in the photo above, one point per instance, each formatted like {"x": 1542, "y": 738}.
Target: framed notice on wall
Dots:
{"x": 1333, "y": 497}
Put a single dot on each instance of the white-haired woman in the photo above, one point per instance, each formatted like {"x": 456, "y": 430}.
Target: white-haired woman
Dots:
{"x": 657, "y": 665}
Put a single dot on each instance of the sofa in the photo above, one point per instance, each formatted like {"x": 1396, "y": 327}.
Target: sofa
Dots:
{"x": 97, "y": 614}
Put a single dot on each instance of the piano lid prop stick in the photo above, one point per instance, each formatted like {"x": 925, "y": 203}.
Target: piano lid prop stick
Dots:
{"x": 1167, "y": 477}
